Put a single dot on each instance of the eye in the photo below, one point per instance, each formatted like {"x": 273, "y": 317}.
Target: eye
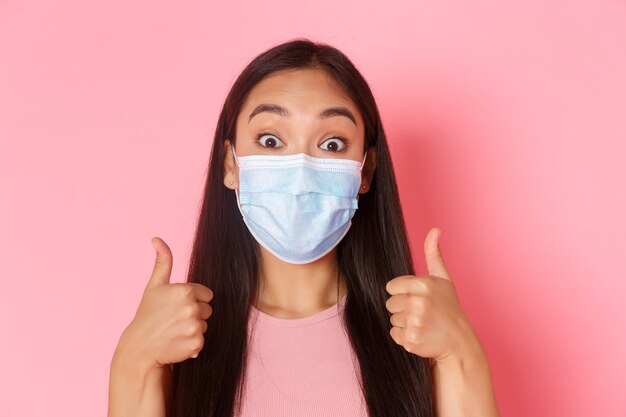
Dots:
{"x": 334, "y": 144}
{"x": 268, "y": 142}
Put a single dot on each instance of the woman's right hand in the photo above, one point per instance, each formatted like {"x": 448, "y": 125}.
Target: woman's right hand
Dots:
{"x": 170, "y": 322}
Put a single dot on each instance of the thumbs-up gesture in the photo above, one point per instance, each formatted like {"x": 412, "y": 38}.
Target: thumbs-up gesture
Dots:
{"x": 170, "y": 322}
{"x": 427, "y": 318}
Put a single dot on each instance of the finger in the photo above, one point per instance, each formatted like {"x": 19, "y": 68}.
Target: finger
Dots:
{"x": 162, "y": 265}
{"x": 434, "y": 259}
{"x": 397, "y": 303}
{"x": 397, "y": 334}
{"x": 201, "y": 292}
{"x": 398, "y": 319}
{"x": 198, "y": 349}
{"x": 407, "y": 337}
{"x": 204, "y": 310}
{"x": 406, "y": 284}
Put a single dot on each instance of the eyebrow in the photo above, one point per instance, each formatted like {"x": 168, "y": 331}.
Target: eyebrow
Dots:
{"x": 282, "y": 111}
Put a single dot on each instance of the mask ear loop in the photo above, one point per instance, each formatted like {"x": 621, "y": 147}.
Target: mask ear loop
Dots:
{"x": 236, "y": 193}
{"x": 234, "y": 154}
{"x": 363, "y": 163}
{"x": 361, "y": 169}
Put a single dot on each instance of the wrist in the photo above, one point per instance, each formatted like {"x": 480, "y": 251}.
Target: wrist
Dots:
{"x": 466, "y": 361}
{"x": 463, "y": 384}
{"x": 129, "y": 358}
{"x": 469, "y": 353}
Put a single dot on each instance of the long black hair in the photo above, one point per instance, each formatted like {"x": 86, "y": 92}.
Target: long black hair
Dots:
{"x": 225, "y": 257}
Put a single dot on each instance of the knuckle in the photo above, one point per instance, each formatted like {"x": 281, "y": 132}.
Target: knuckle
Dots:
{"x": 415, "y": 304}
{"x": 183, "y": 290}
{"x": 414, "y": 321}
{"x": 427, "y": 283}
{"x": 416, "y": 286}
{"x": 190, "y": 310}
{"x": 192, "y": 329}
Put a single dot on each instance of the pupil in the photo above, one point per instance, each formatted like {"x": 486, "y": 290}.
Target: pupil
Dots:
{"x": 271, "y": 143}
{"x": 332, "y": 146}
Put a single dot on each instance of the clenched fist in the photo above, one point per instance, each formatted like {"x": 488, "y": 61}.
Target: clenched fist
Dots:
{"x": 426, "y": 315}
{"x": 170, "y": 322}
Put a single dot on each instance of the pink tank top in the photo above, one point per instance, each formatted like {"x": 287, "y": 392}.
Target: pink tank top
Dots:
{"x": 301, "y": 367}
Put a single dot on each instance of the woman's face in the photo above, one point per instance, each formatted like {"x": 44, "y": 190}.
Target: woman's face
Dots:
{"x": 298, "y": 111}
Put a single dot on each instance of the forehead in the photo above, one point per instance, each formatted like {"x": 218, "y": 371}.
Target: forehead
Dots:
{"x": 301, "y": 90}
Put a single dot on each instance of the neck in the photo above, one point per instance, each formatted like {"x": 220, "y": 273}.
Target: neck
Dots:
{"x": 291, "y": 291}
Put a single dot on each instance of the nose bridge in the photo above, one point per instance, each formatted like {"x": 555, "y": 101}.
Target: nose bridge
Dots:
{"x": 300, "y": 177}
{"x": 303, "y": 147}
{"x": 303, "y": 132}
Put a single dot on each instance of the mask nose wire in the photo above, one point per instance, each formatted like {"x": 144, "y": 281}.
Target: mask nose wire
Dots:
{"x": 237, "y": 160}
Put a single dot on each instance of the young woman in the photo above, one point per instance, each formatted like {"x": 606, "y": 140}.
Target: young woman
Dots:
{"x": 301, "y": 298}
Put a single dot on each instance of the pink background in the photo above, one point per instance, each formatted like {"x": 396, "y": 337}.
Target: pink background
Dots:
{"x": 507, "y": 127}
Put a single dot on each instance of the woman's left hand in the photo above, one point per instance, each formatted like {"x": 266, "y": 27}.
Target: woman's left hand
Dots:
{"x": 427, "y": 317}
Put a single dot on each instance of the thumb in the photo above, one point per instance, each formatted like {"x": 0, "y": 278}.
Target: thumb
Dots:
{"x": 162, "y": 265}
{"x": 434, "y": 260}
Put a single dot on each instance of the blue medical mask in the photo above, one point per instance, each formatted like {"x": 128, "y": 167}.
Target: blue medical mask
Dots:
{"x": 297, "y": 206}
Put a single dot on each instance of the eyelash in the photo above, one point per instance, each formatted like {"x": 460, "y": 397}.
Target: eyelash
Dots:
{"x": 260, "y": 135}
{"x": 344, "y": 140}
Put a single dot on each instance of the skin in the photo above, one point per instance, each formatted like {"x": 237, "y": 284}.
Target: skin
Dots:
{"x": 288, "y": 290}
{"x": 428, "y": 321}
{"x": 426, "y": 316}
